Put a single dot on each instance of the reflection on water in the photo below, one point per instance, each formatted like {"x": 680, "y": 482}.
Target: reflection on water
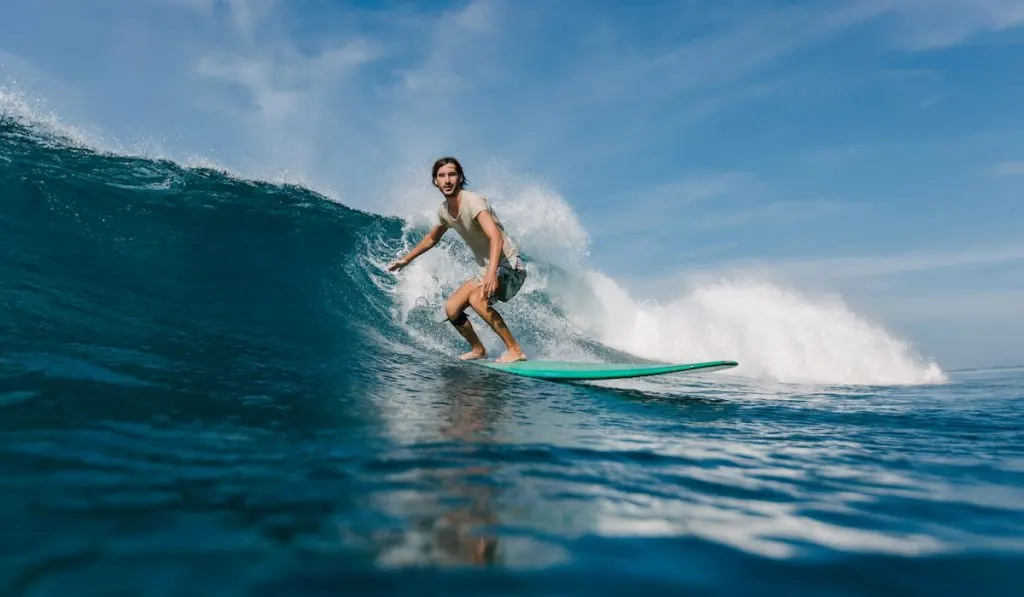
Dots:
{"x": 448, "y": 514}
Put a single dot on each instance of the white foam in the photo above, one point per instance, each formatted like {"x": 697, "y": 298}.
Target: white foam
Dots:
{"x": 774, "y": 332}
{"x": 32, "y": 111}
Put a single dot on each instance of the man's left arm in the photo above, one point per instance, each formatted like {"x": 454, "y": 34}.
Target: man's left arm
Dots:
{"x": 490, "y": 228}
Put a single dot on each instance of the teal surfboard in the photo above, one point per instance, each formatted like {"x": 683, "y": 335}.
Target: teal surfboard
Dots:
{"x": 575, "y": 371}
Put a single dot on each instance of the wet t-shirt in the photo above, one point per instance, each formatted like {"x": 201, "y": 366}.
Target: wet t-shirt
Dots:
{"x": 468, "y": 227}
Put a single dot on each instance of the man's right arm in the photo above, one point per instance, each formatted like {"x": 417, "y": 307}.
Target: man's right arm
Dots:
{"x": 429, "y": 240}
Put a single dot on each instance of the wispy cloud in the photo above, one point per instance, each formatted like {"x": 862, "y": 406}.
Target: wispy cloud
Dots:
{"x": 934, "y": 24}
{"x": 741, "y": 40}
{"x": 1008, "y": 169}
{"x": 712, "y": 202}
{"x": 286, "y": 84}
{"x": 830, "y": 156}
{"x": 879, "y": 265}
{"x": 373, "y": 88}
{"x": 775, "y": 213}
{"x": 1002, "y": 305}
{"x": 630, "y": 212}
{"x": 691, "y": 189}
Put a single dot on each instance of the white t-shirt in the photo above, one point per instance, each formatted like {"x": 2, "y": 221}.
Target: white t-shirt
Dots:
{"x": 466, "y": 224}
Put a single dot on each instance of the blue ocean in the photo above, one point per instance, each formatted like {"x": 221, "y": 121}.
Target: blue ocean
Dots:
{"x": 210, "y": 385}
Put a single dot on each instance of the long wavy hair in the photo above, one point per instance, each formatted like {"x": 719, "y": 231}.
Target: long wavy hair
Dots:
{"x": 458, "y": 170}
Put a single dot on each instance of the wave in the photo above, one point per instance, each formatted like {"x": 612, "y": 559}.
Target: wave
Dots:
{"x": 106, "y": 248}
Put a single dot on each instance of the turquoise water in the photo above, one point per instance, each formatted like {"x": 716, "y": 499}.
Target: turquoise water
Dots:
{"x": 210, "y": 388}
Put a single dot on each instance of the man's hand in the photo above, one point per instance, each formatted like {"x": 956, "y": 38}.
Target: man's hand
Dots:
{"x": 424, "y": 245}
{"x": 490, "y": 284}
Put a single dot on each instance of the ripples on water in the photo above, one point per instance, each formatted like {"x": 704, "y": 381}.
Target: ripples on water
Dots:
{"x": 703, "y": 487}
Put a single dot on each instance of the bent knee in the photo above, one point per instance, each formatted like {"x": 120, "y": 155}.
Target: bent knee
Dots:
{"x": 478, "y": 300}
{"x": 452, "y": 308}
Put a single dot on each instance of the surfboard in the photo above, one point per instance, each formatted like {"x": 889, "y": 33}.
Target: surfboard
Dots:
{"x": 575, "y": 371}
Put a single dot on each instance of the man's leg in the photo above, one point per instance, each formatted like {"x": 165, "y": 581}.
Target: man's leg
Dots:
{"x": 484, "y": 309}
{"x": 455, "y": 308}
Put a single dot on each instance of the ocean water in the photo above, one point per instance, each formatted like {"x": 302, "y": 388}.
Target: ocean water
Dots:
{"x": 209, "y": 386}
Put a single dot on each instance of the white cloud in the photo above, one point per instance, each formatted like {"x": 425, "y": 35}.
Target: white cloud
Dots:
{"x": 893, "y": 264}
{"x": 835, "y": 155}
{"x": 935, "y": 24}
{"x": 627, "y": 213}
{"x": 773, "y": 213}
{"x": 1003, "y": 305}
{"x": 714, "y": 201}
{"x": 476, "y": 16}
{"x": 739, "y": 41}
{"x": 285, "y": 83}
{"x": 444, "y": 72}
{"x": 1008, "y": 169}
{"x": 373, "y": 89}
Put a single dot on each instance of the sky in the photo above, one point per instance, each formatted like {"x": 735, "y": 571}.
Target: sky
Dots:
{"x": 870, "y": 148}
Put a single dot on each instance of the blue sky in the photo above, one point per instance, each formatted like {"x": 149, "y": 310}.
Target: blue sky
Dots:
{"x": 873, "y": 148}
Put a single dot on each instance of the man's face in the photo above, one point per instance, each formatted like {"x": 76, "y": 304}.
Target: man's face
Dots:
{"x": 447, "y": 179}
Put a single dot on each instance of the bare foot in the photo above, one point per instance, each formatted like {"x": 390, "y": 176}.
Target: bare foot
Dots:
{"x": 511, "y": 357}
{"x": 474, "y": 354}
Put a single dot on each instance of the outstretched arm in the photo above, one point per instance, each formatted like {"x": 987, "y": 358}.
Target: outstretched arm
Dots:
{"x": 429, "y": 240}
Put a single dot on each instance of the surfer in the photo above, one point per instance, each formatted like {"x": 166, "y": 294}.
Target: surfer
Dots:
{"x": 502, "y": 272}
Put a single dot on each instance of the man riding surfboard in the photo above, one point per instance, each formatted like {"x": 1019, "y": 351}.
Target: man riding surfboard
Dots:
{"x": 502, "y": 272}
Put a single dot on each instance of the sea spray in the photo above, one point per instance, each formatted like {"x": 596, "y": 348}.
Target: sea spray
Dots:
{"x": 774, "y": 332}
